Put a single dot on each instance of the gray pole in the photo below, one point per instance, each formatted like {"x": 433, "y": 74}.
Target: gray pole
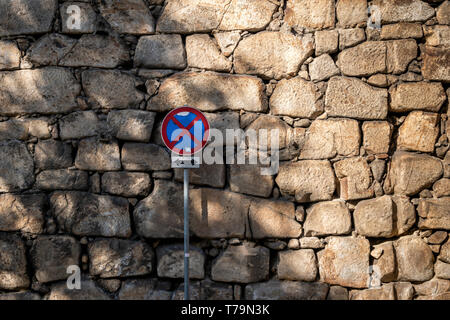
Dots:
{"x": 186, "y": 234}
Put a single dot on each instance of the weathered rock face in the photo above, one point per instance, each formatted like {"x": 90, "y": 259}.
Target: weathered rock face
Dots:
{"x": 126, "y": 184}
{"x": 322, "y": 68}
{"x": 46, "y": 91}
{"x": 329, "y": 138}
{"x": 434, "y": 213}
{"x": 132, "y": 125}
{"x": 377, "y": 136}
{"x": 355, "y": 179}
{"x": 436, "y": 65}
{"x": 286, "y": 290}
{"x": 349, "y": 97}
{"x": 272, "y": 54}
{"x": 90, "y": 291}
{"x": 409, "y": 96}
{"x": 119, "y": 258}
{"x": 410, "y": 173}
{"x": 51, "y": 154}
{"x": 308, "y": 180}
{"x": 402, "y": 30}
{"x": 10, "y": 58}
{"x": 27, "y": 17}
{"x": 80, "y": 124}
{"x": 385, "y": 292}
{"x": 141, "y": 156}
{"x": 248, "y": 179}
{"x": 210, "y": 92}
{"x": 350, "y": 13}
{"x": 86, "y": 214}
{"x": 52, "y": 255}
{"x": 300, "y": 265}
{"x": 363, "y": 60}
{"x": 273, "y": 219}
{"x": 129, "y": 16}
{"x": 101, "y": 88}
{"x": 409, "y": 11}
{"x": 87, "y": 20}
{"x": 62, "y": 179}
{"x": 16, "y": 166}
{"x": 13, "y": 263}
{"x": 296, "y": 98}
{"x": 94, "y": 154}
{"x": 160, "y": 51}
{"x": 419, "y": 132}
{"x": 242, "y": 264}
{"x": 208, "y": 175}
{"x": 414, "y": 259}
{"x": 171, "y": 262}
{"x": 327, "y": 218}
{"x": 22, "y": 212}
{"x": 310, "y": 14}
{"x": 345, "y": 262}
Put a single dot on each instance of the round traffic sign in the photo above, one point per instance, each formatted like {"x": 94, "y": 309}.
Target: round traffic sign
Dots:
{"x": 185, "y": 130}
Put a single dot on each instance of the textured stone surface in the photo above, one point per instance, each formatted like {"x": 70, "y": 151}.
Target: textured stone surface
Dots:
{"x": 22, "y": 212}
{"x": 208, "y": 175}
{"x": 10, "y": 55}
{"x": 273, "y": 219}
{"x": 210, "y": 92}
{"x": 437, "y": 36}
{"x": 310, "y": 14}
{"x": 399, "y": 54}
{"x": 296, "y": 98}
{"x": 87, "y": 20}
{"x": 377, "y": 136}
{"x": 94, "y": 154}
{"x": 363, "y": 60}
{"x": 13, "y": 263}
{"x": 355, "y": 179}
{"x": 436, "y": 65}
{"x": 351, "y": 37}
{"x": 410, "y": 96}
{"x": 90, "y": 291}
{"x": 203, "y": 53}
{"x": 52, "y": 255}
{"x": 397, "y": 11}
{"x": 116, "y": 257}
{"x": 16, "y": 166}
{"x": 249, "y": 180}
{"x": 444, "y": 255}
{"x": 242, "y": 264}
{"x": 327, "y": 218}
{"x": 401, "y": 30}
{"x": 419, "y": 132}
{"x": 385, "y": 292}
{"x": 47, "y": 91}
{"x": 326, "y": 41}
{"x": 80, "y": 124}
{"x": 86, "y": 214}
{"x": 51, "y": 154}
{"x": 126, "y": 184}
{"x": 345, "y": 262}
{"x": 329, "y": 138}
{"x": 375, "y": 217}
{"x": 129, "y": 16}
{"x": 144, "y": 156}
{"x": 272, "y": 54}
{"x": 441, "y": 188}
{"x": 132, "y": 125}
{"x": 103, "y": 92}
{"x": 350, "y": 12}
{"x": 443, "y": 13}
{"x": 300, "y": 265}
{"x": 434, "y": 213}
{"x": 27, "y": 17}
{"x": 160, "y": 51}
{"x": 442, "y": 270}
{"x": 308, "y": 180}
{"x": 410, "y": 173}
{"x": 349, "y": 97}
{"x": 171, "y": 262}
{"x": 322, "y": 68}
{"x": 286, "y": 290}
{"x": 385, "y": 266}
{"x": 62, "y": 179}
{"x": 414, "y": 259}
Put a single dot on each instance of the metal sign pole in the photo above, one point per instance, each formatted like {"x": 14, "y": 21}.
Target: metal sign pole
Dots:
{"x": 186, "y": 234}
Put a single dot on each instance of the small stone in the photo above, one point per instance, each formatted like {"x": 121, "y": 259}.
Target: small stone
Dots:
{"x": 445, "y": 252}
{"x": 350, "y": 12}
{"x": 414, "y": 259}
{"x": 419, "y": 132}
{"x": 443, "y": 13}
{"x": 293, "y": 244}
{"x": 96, "y": 155}
{"x": 110, "y": 285}
{"x": 160, "y": 51}
{"x": 170, "y": 262}
{"x": 227, "y": 41}
{"x": 119, "y": 258}
{"x": 354, "y": 177}
{"x": 81, "y": 124}
{"x": 126, "y": 184}
{"x": 13, "y": 262}
{"x": 442, "y": 270}
{"x": 385, "y": 292}
{"x": 16, "y": 166}
{"x": 393, "y": 11}
{"x": 10, "y": 55}
{"x": 326, "y": 41}
{"x": 378, "y": 168}
{"x": 52, "y": 154}
{"x": 433, "y": 213}
{"x": 131, "y": 125}
{"x": 22, "y": 212}
{"x": 300, "y": 265}
{"x": 377, "y": 136}
{"x": 378, "y": 80}
{"x": 322, "y": 68}
{"x": 202, "y": 53}
{"x": 241, "y": 264}
{"x": 144, "y": 156}
{"x": 311, "y": 243}
{"x": 441, "y": 188}
{"x": 351, "y": 37}
{"x": 404, "y": 290}
{"x": 52, "y": 255}
{"x": 363, "y": 60}
{"x": 337, "y": 293}
{"x": 275, "y": 244}
{"x": 327, "y": 218}
{"x": 437, "y": 237}
{"x": 401, "y": 30}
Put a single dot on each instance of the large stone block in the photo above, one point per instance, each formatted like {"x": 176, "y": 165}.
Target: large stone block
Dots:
{"x": 86, "y": 214}
{"x": 119, "y": 258}
{"x": 410, "y": 173}
{"x": 62, "y": 179}
{"x": 310, "y": 14}
{"x": 13, "y": 262}
{"x": 345, "y": 262}
{"x": 247, "y": 178}
{"x": 355, "y": 178}
{"x": 363, "y": 60}
{"x": 96, "y": 155}
{"x": 272, "y": 54}
{"x": 46, "y": 91}
{"x": 410, "y": 96}
{"x": 210, "y": 92}
{"x": 170, "y": 261}
{"x": 103, "y": 92}
{"x": 414, "y": 259}
{"x": 351, "y": 12}
{"x": 203, "y": 53}
{"x": 22, "y": 212}
{"x": 273, "y": 219}
{"x": 300, "y": 265}
{"x": 52, "y": 154}
{"x": 242, "y": 264}
{"x": 26, "y": 17}
{"x": 52, "y": 255}
{"x": 10, "y": 57}
{"x": 126, "y": 184}
{"x": 418, "y": 132}
{"x": 132, "y": 125}
{"x": 144, "y": 157}
{"x": 330, "y": 138}
{"x": 404, "y": 11}
{"x": 160, "y": 51}
{"x": 286, "y": 290}
{"x": 436, "y": 64}
{"x": 308, "y": 180}
{"x": 350, "y": 97}
{"x": 16, "y": 166}
{"x": 434, "y": 213}
{"x": 327, "y": 218}
{"x": 377, "y": 136}
{"x": 80, "y": 124}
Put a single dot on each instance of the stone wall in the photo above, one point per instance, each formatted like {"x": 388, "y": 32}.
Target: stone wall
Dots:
{"x": 363, "y": 191}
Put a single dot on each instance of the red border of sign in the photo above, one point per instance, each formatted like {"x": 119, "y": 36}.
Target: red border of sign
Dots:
{"x": 170, "y": 115}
